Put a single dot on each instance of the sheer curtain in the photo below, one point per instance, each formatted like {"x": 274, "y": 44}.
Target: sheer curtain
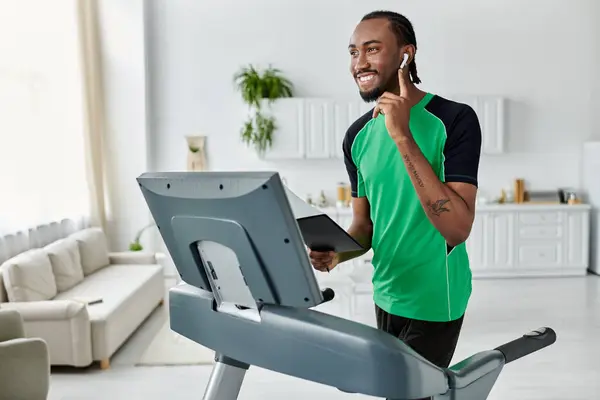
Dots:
{"x": 45, "y": 162}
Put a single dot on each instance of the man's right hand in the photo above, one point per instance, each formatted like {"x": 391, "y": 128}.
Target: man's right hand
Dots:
{"x": 323, "y": 260}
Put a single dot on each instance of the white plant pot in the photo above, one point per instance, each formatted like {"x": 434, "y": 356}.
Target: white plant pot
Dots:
{"x": 196, "y": 160}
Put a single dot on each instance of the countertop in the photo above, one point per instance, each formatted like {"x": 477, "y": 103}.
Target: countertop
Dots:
{"x": 490, "y": 207}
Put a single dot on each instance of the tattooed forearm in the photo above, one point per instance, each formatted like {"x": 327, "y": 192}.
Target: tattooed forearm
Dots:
{"x": 412, "y": 170}
{"x": 445, "y": 208}
{"x": 438, "y": 207}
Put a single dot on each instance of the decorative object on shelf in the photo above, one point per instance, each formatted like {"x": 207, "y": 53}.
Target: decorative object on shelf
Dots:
{"x": 502, "y": 198}
{"x": 196, "y": 154}
{"x": 520, "y": 191}
{"x": 322, "y": 200}
{"x": 260, "y": 90}
{"x": 506, "y": 196}
{"x": 341, "y": 194}
{"x": 309, "y": 199}
{"x": 572, "y": 198}
{"x": 568, "y": 196}
{"x": 509, "y": 195}
{"x": 482, "y": 200}
{"x": 543, "y": 197}
{"x": 344, "y": 195}
{"x": 136, "y": 245}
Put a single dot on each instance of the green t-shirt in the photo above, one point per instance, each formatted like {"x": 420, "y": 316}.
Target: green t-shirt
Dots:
{"x": 416, "y": 274}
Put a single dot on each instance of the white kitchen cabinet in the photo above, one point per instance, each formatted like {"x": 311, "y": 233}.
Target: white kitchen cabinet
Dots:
{"x": 488, "y": 245}
{"x": 311, "y": 128}
{"x": 475, "y": 243}
{"x": 578, "y": 240}
{"x": 289, "y": 136}
{"x": 344, "y": 114}
{"x": 511, "y": 241}
{"x": 319, "y": 128}
{"x": 491, "y": 112}
{"x": 529, "y": 240}
{"x": 314, "y": 128}
{"x": 501, "y": 253}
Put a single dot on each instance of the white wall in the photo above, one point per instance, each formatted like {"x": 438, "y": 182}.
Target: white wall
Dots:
{"x": 124, "y": 74}
{"x": 541, "y": 54}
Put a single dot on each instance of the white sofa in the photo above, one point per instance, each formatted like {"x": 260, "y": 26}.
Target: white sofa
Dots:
{"x": 48, "y": 275}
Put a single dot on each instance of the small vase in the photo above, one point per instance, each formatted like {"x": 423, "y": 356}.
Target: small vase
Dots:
{"x": 196, "y": 154}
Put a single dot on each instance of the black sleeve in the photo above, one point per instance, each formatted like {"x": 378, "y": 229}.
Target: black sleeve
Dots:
{"x": 356, "y": 182}
{"x": 351, "y": 168}
{"x": 463, "y": 148}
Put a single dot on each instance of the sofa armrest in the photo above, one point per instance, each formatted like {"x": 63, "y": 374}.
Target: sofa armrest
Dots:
{"x": 48, "y": 310}
{"x": 132, "y": 257}
{"x": 12, "y": 325}
{"x": 25, "y": 369}
{"x": 64, "y": 325}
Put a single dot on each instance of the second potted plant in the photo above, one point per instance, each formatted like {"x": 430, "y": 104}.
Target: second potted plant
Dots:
{"x": 258, "y": 91}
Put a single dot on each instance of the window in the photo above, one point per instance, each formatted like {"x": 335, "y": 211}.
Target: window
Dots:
{"x": 42, "y": 158}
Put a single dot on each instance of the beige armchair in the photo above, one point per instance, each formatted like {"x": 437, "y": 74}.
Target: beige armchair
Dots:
{"x": 24, "y": 362}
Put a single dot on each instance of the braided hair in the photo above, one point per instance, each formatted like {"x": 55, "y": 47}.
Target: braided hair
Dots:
{"x": 405, "y": 34}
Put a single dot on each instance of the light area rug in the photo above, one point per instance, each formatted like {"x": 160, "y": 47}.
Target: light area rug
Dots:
{"x": 169, "y": 348}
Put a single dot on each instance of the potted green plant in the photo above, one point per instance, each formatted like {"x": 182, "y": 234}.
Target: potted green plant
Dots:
{"x": 259, "y": 90}
{"x": 136, "y": 245}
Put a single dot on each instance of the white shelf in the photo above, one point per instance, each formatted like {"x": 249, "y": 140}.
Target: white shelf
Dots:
{"x": 314, "y": 128}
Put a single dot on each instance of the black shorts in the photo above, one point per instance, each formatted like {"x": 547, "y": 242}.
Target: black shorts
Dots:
{"x": 434, "y": 341}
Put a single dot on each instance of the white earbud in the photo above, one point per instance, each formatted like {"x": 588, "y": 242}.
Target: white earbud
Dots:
{"x": 404, "y": 61}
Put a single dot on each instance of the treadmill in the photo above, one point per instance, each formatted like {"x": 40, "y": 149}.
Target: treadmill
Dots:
{"x": 248, "y": 289}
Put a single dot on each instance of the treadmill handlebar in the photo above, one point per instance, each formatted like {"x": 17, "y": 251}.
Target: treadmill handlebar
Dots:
{"x": 527, "y": 344}
{"x": 328, "y": 295}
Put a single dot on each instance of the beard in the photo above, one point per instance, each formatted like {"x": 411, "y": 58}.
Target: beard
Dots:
{"x": 371, "y": 95}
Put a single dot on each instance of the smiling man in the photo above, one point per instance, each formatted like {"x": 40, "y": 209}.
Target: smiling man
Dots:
{"x": 413, "y": 164}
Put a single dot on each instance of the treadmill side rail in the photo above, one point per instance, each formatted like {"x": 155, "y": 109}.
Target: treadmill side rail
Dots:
{"x": 474, "y": 377}
{"x": 309, "y": 345}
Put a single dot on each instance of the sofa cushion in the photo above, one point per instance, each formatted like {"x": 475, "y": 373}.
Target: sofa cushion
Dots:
{"x": 113, "y": 284}
{"x": 29, "y": 277}
{"x": 128, "y": 293}
{"x": 66, "y": 263}
{"x": 93, "y": 248}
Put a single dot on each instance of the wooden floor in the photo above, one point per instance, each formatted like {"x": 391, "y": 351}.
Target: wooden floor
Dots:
{"x": 500, "y": 310}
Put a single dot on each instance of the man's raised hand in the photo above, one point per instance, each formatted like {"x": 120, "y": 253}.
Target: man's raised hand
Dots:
{"x": 396, "y": 109}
